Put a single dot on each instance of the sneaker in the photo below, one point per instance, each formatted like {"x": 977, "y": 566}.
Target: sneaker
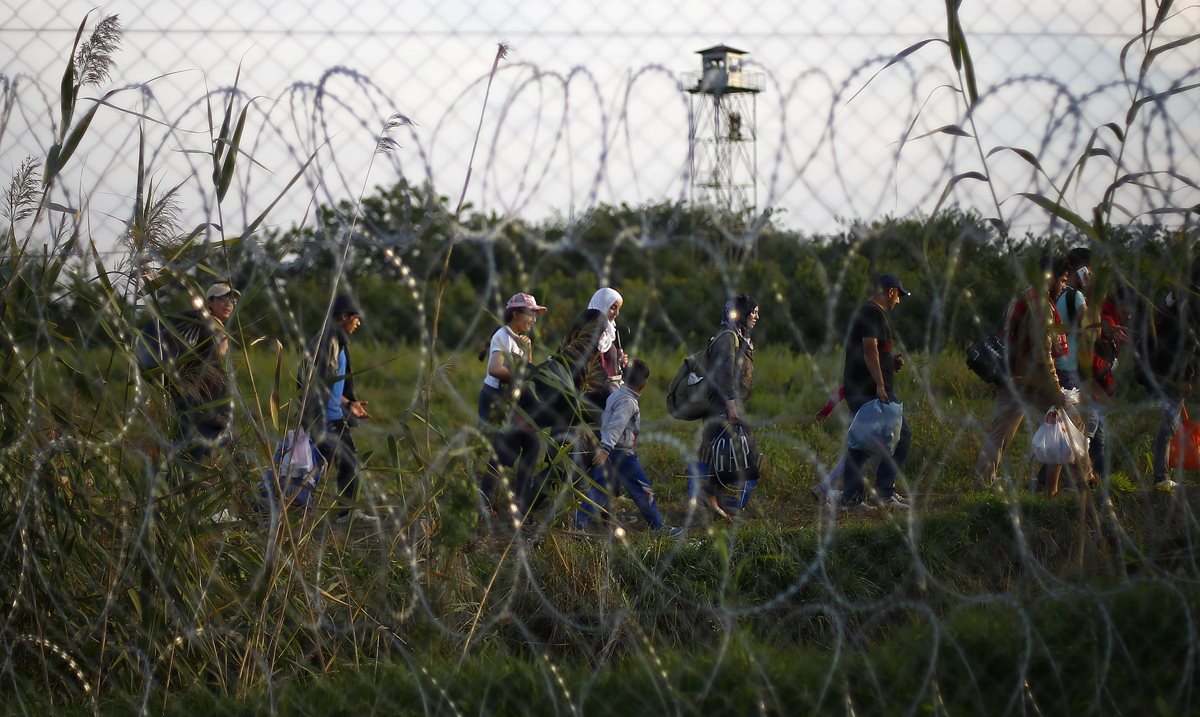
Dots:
{"x": 1166, "y": 485}
{"x": 224, "y": 517}
{"x": 360, "y": 518}
{"x": 895, "y": 501}
{"x": 671, "y": 531}
{"x": 856, "y": 507}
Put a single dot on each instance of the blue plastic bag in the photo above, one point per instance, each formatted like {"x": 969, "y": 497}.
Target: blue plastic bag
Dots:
{"x": 876, "y": 427}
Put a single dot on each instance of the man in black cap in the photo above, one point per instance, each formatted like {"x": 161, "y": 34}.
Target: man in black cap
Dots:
{"x": 870, "y": 366}
{"x": 330, "y": 406}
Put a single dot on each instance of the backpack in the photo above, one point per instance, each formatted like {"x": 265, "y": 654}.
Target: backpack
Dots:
{"x": 1072, "y": 305}
{"x": 986, "y": 360}
{"x": 153, "y": 346}
{"x": 688, "y": 396}
{"x": 1085, "y": 348}
{"x": 549, "y": 398}
{"x": 1105, "y": 355}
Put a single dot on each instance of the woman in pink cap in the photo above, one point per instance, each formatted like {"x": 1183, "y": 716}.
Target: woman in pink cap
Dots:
{"x": 506, "y": 356}
{"x": 507, "y": 353}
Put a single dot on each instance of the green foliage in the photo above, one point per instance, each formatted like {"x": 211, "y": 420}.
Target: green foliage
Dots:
{"x": 673, "y": 265}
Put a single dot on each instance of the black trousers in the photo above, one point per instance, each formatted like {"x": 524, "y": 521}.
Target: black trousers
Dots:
{"x": 336, "y": 445}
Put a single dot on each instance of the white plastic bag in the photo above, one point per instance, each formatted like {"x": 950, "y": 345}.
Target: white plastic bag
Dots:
{"x": 876, "y": 427}
{"x": 297, "y": 454}
{"x": 1058, "y": 441}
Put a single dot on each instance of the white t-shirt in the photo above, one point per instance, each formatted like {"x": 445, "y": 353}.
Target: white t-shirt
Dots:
{"x": 503, "y": 340}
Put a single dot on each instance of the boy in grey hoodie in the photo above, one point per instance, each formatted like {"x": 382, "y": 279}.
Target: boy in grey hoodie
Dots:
{"x": 617, "y": 458}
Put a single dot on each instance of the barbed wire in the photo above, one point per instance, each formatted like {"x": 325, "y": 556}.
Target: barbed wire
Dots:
{"x": 121, "y": 591}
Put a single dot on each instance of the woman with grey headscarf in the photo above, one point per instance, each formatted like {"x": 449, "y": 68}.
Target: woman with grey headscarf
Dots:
{"x": 727, "y": 445}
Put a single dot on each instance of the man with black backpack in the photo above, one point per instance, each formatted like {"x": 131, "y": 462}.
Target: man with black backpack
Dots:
{"x": 191, "y": 349}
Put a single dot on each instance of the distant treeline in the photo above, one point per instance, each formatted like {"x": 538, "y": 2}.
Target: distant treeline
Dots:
{"x": 675, "y": 264}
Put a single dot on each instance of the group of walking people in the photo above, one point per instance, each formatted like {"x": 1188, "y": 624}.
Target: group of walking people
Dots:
{"x": 585, "y": 399}
{"x": 1062, "y": 353}
{"x": 190, "y": 353}
{"x": 575, "y": 418}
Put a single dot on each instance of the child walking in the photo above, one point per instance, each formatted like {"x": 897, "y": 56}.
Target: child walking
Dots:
{"x": 617, "y": 458}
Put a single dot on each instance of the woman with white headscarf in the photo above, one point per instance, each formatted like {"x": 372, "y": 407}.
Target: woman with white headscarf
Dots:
{"x": 609, "y": 301}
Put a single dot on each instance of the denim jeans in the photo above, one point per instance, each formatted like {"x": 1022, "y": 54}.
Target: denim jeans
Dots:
{"x": 1097, "y": 446}
{"x": 626, "y": 470}
{"x": 699, "y": 480}
{"x": 1168, "y": 424}
{"x": 889, "y": 466}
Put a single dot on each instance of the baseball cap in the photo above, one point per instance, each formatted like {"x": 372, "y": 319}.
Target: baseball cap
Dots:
{"x": 891, "y": 281}
{"x": 220, "y": 289}
{"x": 524, "y": 301}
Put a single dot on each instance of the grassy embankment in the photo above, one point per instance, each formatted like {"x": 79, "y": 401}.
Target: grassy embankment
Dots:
{"x": 959, "y": 604}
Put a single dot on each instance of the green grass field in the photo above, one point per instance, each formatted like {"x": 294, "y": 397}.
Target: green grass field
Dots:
{"x": 947, "y": 407}
{"x": 975, "y": 603}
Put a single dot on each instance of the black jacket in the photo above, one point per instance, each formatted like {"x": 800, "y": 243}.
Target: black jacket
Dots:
{"x": 730, "y": 367}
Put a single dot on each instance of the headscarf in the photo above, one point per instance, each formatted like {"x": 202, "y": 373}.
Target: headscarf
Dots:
{"x": 602, "y": 301}
{"x": 736, "y": 314}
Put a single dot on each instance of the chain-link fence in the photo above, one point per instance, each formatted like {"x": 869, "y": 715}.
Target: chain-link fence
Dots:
{"x": 588, "y": 106}
{"x": 198, "y": 234}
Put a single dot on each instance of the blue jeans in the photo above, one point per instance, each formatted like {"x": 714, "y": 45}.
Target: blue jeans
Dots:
{"x": 889, "y": 466}
{"x": 627, "y": 470}
{"x": 699, "y": 478}
{"x": 1168, "y": 423}
{"x": 1097, "y": 447}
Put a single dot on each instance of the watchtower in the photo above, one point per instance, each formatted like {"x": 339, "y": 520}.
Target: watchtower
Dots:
{"x": 723, "y": 130}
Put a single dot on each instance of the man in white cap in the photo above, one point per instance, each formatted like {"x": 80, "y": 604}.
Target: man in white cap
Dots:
{"x": 199, "y": 379}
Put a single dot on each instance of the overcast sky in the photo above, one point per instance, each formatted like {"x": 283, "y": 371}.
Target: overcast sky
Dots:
{"x": 586, "y": 108}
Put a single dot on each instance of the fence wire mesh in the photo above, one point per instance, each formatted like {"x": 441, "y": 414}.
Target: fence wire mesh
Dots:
{"x": 427, "y": 162}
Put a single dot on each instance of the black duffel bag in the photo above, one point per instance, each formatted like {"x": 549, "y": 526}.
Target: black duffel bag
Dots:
{"x": 986, "y": 360}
